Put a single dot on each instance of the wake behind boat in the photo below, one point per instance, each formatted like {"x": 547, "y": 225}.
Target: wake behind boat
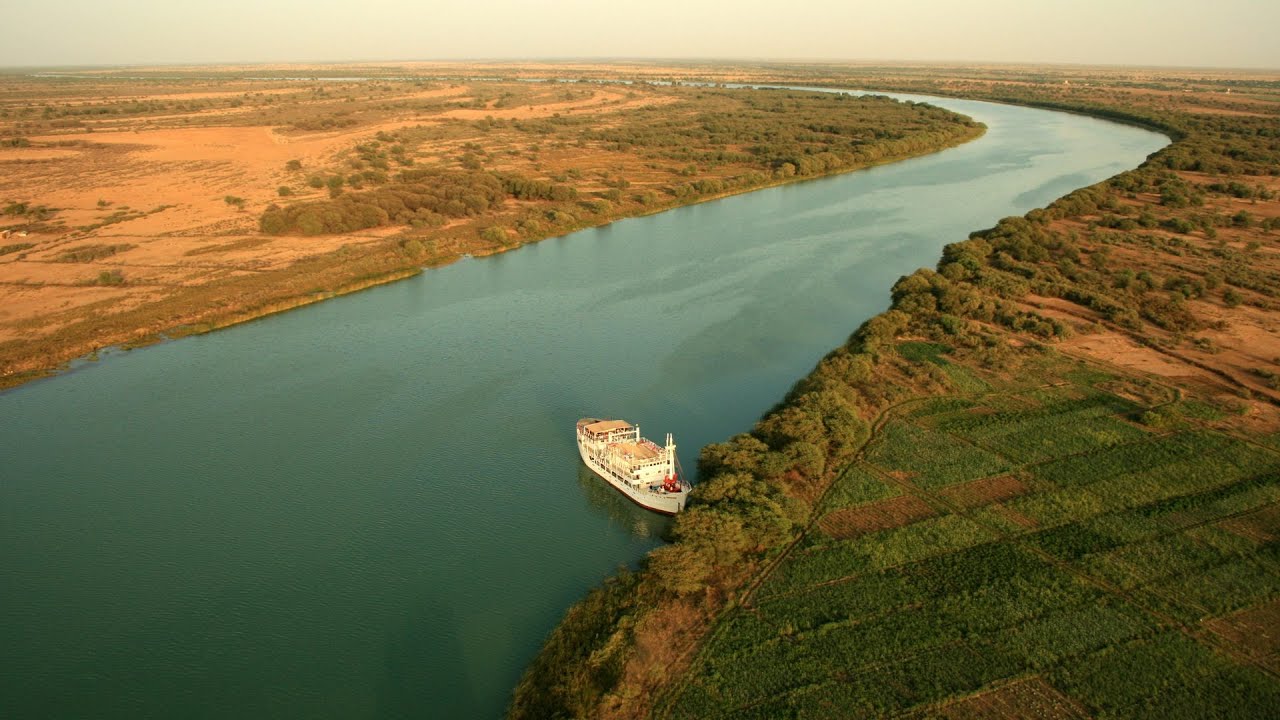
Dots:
{"x": 636, "y": 467}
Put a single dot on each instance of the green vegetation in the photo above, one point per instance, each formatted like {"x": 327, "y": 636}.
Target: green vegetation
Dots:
{"x": 952, "y": 507}
{"x": 1116, "y": 553}
{"x": 945, "y": 504}
{"x": 737, "y": 140}
{"x": 932, "y": 459}
{"x": 110, "y": 277}
{"x": 89, "y": 253}
{"x": 15, "y": 247}
{"x": 785, "y": 132}
{"x": 421, "y": 196}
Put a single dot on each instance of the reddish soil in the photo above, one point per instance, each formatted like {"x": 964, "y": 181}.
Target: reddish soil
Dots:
{"x": 1030, "y": 698}
{"x": 1261, "y": 525}
{"x": 1254, "y": 632}
{"x": 876, "y": 516}
{"x": 977, "y": 493}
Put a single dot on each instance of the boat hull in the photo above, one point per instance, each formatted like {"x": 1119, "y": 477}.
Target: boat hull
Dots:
{"x": 666, "y": 503}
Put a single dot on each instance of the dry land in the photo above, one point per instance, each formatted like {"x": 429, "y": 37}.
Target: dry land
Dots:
{"x": 142, "y": 204}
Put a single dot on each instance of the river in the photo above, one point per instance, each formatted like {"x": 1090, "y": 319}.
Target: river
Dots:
{"x": 373, "y": 507}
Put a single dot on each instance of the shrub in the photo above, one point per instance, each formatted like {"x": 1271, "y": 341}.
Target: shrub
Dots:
{"x": 494, "y": 234}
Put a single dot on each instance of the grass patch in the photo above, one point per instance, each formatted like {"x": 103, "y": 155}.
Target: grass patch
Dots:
{"x": 1126, "y": 528}
{"x": 858, "y": 484}
{"x": 931, "y": 459}
{"x": 89, "y": 253}
{"x": 924, "y": 352}
{"x": 16, "y": 247}
{"x": 961, "y": 378}
{"x": 245, "y": 244}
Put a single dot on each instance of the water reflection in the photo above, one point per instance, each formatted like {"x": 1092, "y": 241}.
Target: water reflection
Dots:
{"x": 624, "y": 513}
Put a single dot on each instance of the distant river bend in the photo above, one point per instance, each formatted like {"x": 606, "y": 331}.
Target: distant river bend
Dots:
{"x": 372, "y": 507}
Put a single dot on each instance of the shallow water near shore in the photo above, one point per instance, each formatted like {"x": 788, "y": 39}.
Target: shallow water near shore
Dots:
{"x": 373, "y": 507}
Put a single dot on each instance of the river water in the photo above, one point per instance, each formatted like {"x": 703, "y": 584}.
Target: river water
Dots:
{"x": 373, "y": 507}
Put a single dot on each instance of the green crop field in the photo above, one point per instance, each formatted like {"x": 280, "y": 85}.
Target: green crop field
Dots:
{"x": 1018, "y": 552}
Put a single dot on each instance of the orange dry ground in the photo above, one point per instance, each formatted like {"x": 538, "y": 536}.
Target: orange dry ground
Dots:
{"x": 1232, "y": 343}
{"x": 155, "y": 183}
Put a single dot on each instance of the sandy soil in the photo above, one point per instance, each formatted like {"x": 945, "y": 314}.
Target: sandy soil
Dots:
{"x": 163, "y": 189}
{"x": 600, "y": 100}
{"x": 1122, "y": 351}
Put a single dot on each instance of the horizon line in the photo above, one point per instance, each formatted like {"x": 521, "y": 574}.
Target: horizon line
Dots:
{"x": 613, "y": 59}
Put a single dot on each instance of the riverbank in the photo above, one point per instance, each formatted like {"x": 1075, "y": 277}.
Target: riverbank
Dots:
{"x": 261, "y": 480}
{"x": 772, "y": 584}
{"x": 153, "y": 279}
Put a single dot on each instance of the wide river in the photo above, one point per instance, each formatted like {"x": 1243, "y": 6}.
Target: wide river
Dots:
{"x": 373, "y": 507}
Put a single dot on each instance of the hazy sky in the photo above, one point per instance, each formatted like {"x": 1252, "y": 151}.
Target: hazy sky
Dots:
{"x": 1222, "y": 33}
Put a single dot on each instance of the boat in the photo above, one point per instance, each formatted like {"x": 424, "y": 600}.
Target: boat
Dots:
{"x": 634, "y": 466}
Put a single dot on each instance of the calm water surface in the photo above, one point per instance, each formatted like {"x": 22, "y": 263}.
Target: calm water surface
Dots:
{"x": 373, "y": 507}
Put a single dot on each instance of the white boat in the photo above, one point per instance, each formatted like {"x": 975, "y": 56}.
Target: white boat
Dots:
{"x": 636, "y": 467}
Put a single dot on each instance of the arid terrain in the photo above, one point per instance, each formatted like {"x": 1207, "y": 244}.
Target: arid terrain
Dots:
{"x": 136, "y": 201}
{"x": 135, "y": 179}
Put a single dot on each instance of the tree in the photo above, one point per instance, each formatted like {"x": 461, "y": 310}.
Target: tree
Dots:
{"x": 679, "y": 568}
{"x": 494, "y": 234}
{"x": 718, "y": 536}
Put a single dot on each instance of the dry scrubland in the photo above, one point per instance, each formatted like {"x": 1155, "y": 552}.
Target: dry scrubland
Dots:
{"x": 1043, "y": 484}
{"x": 140, "y": 204}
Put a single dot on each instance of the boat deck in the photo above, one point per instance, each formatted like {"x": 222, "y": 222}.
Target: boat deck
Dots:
{"x": 637, "y": 451}
{"x": 599, "y": 427}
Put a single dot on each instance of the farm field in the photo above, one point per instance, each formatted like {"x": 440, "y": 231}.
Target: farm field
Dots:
{"x": 1025, "y": 551}
{"x": 1042, "y": 484}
